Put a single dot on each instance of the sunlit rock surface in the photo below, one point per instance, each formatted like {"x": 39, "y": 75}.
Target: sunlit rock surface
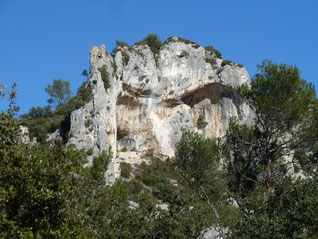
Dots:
{"x": 152, "y": 98}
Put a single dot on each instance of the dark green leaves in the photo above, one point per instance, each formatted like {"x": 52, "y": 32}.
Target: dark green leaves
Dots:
{"x": 278, "y": 96}
{"x": 60, "y": 92}
{"x": 288, "y": 211}
{"x": 153, "y": 41}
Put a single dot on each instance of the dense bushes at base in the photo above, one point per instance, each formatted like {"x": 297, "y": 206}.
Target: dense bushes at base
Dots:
{"x": 238, "y": 182}
{"x": 46, "y": 192}
{"x": 36, "y": 183}
{"x": 125, "y": 169}
{"x": 287, "y": 211}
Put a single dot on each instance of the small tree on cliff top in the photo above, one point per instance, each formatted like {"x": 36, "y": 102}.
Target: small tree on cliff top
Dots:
{"x": 60, "y": 92}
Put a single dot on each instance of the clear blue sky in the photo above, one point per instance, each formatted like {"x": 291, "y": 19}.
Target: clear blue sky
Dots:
{"x": 41, "y": 40}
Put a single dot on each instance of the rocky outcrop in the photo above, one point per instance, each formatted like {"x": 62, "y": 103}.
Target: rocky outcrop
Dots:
{"x": 25, "y": 136}
{"x": 213, "y": 233}
{"x": 141, "y": 101}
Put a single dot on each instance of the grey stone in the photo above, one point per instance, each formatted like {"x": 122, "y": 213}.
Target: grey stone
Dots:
{"x": 151, "y": 99}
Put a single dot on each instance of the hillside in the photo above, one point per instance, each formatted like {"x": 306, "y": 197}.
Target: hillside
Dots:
{"x": 164, "y": 140}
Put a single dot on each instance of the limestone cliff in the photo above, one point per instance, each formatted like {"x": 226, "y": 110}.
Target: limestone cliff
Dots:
{"x": 142, "y": 101}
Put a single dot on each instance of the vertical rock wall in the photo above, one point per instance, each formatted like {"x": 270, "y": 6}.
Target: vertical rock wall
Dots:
{"x": 142, "y": 101}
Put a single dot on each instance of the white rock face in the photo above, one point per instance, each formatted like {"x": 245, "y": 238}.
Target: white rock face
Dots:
{"x": 24, "y": 134}
{"x": 213, "y": 233}
{"x": 152, "y": 98}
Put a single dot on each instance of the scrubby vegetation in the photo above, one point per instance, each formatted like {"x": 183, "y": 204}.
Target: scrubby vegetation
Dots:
{"x": 201, "y": 123}
{"x": 43, "y": 121}
{"x": 211, "y": 61}
{"x": 152, "y": 40}
{"x": 213, "y": 51}
{"x": 242, "y": 182}
{"x": 46, "y": 192}
{"x": 119, "y": 44}
{"x": 226, "y": 62}
{"x": 89, "y": 151}
{"x": 125, "y": 169}
{"x": 184, "y": 54}
{"x": 105, "y": 76}
{"x": 180, "y": 39}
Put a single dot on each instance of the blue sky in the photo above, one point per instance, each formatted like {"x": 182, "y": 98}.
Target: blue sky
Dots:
{"x": 45, "y": 40}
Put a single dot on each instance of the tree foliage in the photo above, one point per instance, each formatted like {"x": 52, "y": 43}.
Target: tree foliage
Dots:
{"x": 265, "y": 153}
{"x": 119, "y": 44}
{"x": 153, "y": 41}
{"x": 60, "y": 92}
{"x": 43, "y": 121}
{"x": 199, "y": 162}
{"x": 46, "y": 192}
{"x": 282, "y": 104}
{"x": 213, "y": 51}
{"x": 243, "y": 182}
{"x": 260, "y": 157}
{"x": 34, "y": 182}
{"x": 288, "y": 211}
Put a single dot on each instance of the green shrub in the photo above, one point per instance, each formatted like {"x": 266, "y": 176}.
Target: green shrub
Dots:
{"x": 226, "y": 62}
{"x": 212, "y": 61}
{"x": 219, "y": 70}
{"x": 126, "y": 57}
{"x": 184, "y": 54}
{"x": 213, "y": 51}
{"x": 37, "y": 112}
{"x": 135, "y": 187}
{"x": 186, "y": 41}
{"x": 105, "y": 76}
{"x": 121, "y": 44}
{"x": 89, "y": 151}
{"x": 39, "y": 128}
{"x": 114, "y": 66}
{"x": 157, "y": 176}
{"x": 100, "y": 165}
{"x": 286, "y": 211}
{"x": 240, "y": 65}
{"x": 139, "y": 53}
{"x": 201, "y": 123}
{"x": 88, "y": 123}
{"x": 148, "y": 154}
{"x": 84, "y": 92}
{"x": 125, "y": 169}
{"x": 42, "y": 121}
{"x": 152, "y": 40}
